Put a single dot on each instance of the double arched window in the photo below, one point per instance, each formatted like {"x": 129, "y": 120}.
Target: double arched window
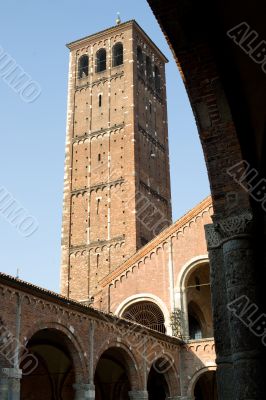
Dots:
{"x": 117, "y": 54}
{"x": 100, "y": 60}
{"x": 83, "y": 66}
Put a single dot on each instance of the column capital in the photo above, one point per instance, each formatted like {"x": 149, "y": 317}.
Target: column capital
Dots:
{"x": 138, "y": 395}
{"x": 231, "y": 227}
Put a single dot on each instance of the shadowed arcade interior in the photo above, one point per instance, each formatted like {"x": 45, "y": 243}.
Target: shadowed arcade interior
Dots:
{"x": 205, "y": 388}
{"x": 112, "y": 376}
{"x": 54, "y": 376}
{"x": 157, "y": 385}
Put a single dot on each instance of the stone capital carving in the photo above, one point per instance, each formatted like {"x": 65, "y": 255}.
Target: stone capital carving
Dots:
{"x": 229, "y": 227}
{"x": 213, "y": 237}
{"x": 234, "y": 225}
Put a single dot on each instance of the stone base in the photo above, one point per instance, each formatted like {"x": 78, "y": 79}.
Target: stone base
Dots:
{"x": 138, "y": 395}
{"x": 84, "y": 391}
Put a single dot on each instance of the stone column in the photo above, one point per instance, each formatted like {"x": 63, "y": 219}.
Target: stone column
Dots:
{"x": 10, "y": 383}
{"x": 233, "y": 277}
{"x": 222, "y": 337}
{"x": 138, "y": 395}
{"x": 84, "y": 391}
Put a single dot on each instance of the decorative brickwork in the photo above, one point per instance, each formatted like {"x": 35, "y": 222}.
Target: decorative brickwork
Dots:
{"x": 117, "y": 185}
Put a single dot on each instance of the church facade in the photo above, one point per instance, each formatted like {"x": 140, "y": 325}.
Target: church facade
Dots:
{"x": 134, "y": 319}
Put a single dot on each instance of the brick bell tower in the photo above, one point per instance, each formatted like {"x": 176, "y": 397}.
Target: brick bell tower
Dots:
{"x": 116, "y": 184}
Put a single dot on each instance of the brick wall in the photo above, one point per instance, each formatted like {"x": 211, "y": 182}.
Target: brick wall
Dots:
{"x": 116, "y": 143}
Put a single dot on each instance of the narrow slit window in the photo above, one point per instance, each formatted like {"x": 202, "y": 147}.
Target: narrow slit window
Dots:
{"x": 100, "y": 100}
{"x": 98, "y": 206}
{"x": 99, "y": 157}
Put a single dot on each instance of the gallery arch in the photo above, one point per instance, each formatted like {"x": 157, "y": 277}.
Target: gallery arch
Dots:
{"x": 113, "y": 375}
{"x": 205, "y": 387}
{"x": 55, "y": 373}
{"x": 157, "y": 386}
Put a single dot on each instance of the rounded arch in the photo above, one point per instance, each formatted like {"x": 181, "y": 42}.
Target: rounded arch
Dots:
{"x": 67, "y": 334}
{"x": 166, "y": 366}
{"x": 188, "y": 267}
{"x": 197, "y": 375}
{"x": 149, "y": 297}
{"x": 192, "y": 293}
{"x": 116, "y": 372}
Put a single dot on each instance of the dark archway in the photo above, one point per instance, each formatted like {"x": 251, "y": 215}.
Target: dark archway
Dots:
{"x": 54, "y": 376}
{"x": 112, "y": 376}
{"x": 157, "y": 385}
{"x": 206, "y": 388}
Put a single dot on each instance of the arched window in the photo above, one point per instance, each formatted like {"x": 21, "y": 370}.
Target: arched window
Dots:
{"x": 100, "y": 60}
{"x": 157, "y": 80}
{"x": 149, "y": 70}
{"x": 197, "y": 301}
{"x": 146, "y": 313}
{"x": 140, "y": 59}
{"x": 117, "y": 54}
{"x": 83, "y": 66}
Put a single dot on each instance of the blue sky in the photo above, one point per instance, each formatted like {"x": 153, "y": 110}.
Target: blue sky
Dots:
{"x": 33, "y": 134}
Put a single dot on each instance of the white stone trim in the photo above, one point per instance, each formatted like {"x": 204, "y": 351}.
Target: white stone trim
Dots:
{"x": 187, "y": 268}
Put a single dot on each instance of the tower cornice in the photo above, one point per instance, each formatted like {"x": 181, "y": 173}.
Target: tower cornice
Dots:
{"x": 87, "y": 39}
